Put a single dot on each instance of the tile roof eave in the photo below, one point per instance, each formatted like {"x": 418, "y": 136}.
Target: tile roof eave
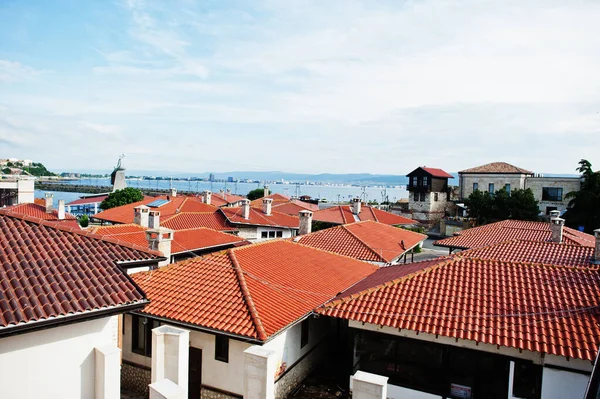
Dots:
{"x": 210, "y": 247}
{"x": 35, "y": 325}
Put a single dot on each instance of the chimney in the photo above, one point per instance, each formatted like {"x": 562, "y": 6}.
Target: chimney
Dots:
{"x": 596, "y": 258}
{"x": 61, "y": 209}
{"x": 160, "y": 240}
{"x": 140, "y": 215}
{"x": 206, "y": 196}
{"x": 305, "y": 222}
{"x": 265, "y": 191}
{"x": 173, "y": 192}
{"x": 267, "y": 206}
{"x": 246, "y": 209}
{"x": 48, "y": 202}
{"x": 554, "y": 214}
{"x": 154, "y": 219}
{"x": 228, "y": 191}
{"x": 356, "y": 204}
{"x": 556, "y": 227}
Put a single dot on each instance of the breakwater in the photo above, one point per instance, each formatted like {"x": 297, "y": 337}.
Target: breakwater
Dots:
{"x": 79, "y": 188}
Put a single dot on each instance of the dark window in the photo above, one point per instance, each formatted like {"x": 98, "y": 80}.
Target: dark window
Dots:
{"x": 527, "y": 380}
{"x": 435, "y": 196}
{"x": 550, "y": 209}
{"x": 507, "y": 188}
{"x": 421, "y": 197}
{"x": 264, "y": 234}
{"x": 414, "y": 180}
{"x": 491, "y": 188}
{"x": 222, "y": 348}
{"x": 271, "y": 234}
{"x": 425, "y": 180}
{"x": 475, "y": 186}
{"x": 141, "y": 334}
{"x": 416, "y": 197}
{"x": 552, "y": 193}
{"x": 279, "y": 233}
{"x": 304, "y": 333}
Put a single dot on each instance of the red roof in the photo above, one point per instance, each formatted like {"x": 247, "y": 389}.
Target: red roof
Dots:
{"x": 183, "y": 240}
{"x": 252, "y": 291}
{"x": 258, "y": 218}
{"x": 498, "y": 168}
{"x": 437, "y": 173}
{"x": 506, "y": 230}
{"x": 191, "y": 220}
{"x": 38, "y": 211}
{"x": 124, "y": 214}
{"x": 49, "y": 270}
{"x": 368, "y": 241}
{"x": 224, "y": 199}
{"x": 539, "y": 308}
{"x": 276, "y": 197}
{"x": 342, "y": 214}
{"x": 294, "y": 207}
{"x": 89, "y": 200}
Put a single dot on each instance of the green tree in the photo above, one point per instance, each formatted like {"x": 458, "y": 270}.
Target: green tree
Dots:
{"x": 584, "y": 205}
{"x": 84, "y": 221}
{"x": 480, "y": 205}
{"x": 523, "y": 205}
{"x": 486, "y": 208}
{"x": 256, "y": 194}
{"x": 122, "y": 197}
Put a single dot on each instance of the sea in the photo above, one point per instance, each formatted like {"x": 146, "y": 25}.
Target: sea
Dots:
{"x": 329, "y": 192}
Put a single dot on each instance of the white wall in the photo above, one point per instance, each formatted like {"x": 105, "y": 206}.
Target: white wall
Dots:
{"x": 254, "y": 233}
{"x": 57, "y": 362}
{"x": 396, "y": 392}
{"x": 559, "y": 384}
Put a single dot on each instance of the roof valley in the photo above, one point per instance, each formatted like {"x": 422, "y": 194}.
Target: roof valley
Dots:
{"x": 364, "y": 243}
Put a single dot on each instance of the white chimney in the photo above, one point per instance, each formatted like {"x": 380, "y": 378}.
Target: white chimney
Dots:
{"x": 246, "y": 209}
{"x": 266, "y": 208}
{"x": 554, "y": 214}
{"x": 206, "y": 196}
{"x": 48, "y": 202}
{"x": 154, "y": 219}
{"x": 173, "y": 192}
{"x": 556, "y": 227}
{"x": 61, "y": 209}
{"x": 140, "y": 215}
{"x": 160, "y": 240}
{"x": 305, "y": 222}
{"x": 228, "y": 191}
{"x": 265, "y": 191}
{"x": 356, "y": 204}
{"x": 596, "y": 258}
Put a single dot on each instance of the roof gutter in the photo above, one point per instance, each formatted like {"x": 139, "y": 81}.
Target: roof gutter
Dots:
{"x": 58, "y": 321}
{"x": 136, "y": 263}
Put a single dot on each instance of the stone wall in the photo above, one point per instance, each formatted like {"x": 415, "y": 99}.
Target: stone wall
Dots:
{"x": 483, "y": 180}
{"x": 568, "y": 184}
{"x": 208, "y": 393}
{"x": 300, "y": 370}
{"x": 135, "y": 379}
{"x": 428, "y": 211}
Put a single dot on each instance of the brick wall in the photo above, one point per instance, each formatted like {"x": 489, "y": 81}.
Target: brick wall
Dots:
{"x": 135, "y": 379}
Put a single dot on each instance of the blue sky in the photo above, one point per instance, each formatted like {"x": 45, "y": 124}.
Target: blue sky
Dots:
{"x": 300, "y": 86}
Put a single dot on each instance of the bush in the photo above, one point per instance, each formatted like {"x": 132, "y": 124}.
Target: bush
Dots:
{"x": 122, "y": 197}
{"x": 84, "y": 221}
{"x": 256, "y": 194}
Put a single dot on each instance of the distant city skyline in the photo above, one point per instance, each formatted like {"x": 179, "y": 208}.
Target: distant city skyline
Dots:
{"x": 300, "y": 86}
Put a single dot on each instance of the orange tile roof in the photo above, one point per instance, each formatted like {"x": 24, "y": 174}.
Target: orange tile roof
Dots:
{"x": 294, "y": 207}
{"x": 507, "y": 230}
{"x": 497, "y": 168}
{"x": 39, "y": 211}
{"x": 342, "y": 214}
{"x": 549, "y": 253}
{"x": 539, "y": 308}
{"x": 224, "y": 199}
{"x": 124, "y": 214}
{"x": 368, "y": 241}
{"x": 258, "y": 218}
{"x": 88, "y": 200}
{"x": 435, "y": 172}
{"x": 183, "y": 240}
{"x": 276, "y": 197}
{"x": 252, "y": 291}
{"x": 190, "y": 220}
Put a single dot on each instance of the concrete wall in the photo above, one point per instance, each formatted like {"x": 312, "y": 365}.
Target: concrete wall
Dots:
{"x": 467, "y": 180}
{"x": 54, "y": 363}
{"x": 396, "y": 392}
{"x": 568, "y": 184}
{"x": 254, "y": 233}
{"x": 560, "y": 384}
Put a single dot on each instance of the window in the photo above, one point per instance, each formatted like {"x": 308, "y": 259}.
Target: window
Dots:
{"x": 421, "y": 197}
{"x": 141, "y": 334}
{"x": 414, "y": 180}
{"x": 222, "y": 348}
{"x": 271, "y": 234}
{"x": 425, "y": 180}
{"x": 475, "y": 186}
{"x": 416, "y": 197}
{"x": 491, "y": 188}
{"x": 304, "y": 333}
{"x": 435, "y": 196}
{"x": 264, "y": 234}
{"x": 507, "y": 188}
{"x": 527, "y": 380}
{"x": 279, "y": 233}
{"x": 552, "y": 193}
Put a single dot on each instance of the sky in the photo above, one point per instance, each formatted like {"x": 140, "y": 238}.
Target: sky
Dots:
{"x": 321, "y": 86}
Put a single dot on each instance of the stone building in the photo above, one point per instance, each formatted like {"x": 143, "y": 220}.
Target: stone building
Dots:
{"x": 551, "y": 191}
{"x": 428, "y": 194}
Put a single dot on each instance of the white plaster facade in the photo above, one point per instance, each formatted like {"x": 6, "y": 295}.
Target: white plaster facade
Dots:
{"x": 254, "y": 233}
{"x": 57, "y": 362}
{"x": 23, "y": 186}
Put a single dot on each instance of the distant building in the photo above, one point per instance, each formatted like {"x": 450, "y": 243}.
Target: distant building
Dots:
{"x": 230, "y": 179}
{"x": 211, "y": 177}
{"x": 428, "y": 194}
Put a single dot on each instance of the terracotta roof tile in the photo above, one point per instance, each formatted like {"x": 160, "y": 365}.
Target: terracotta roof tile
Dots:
{"x": 276, "y": 197}
{"x": 49, "y": 270}
{"x": 38, "y": 211}
{"x": 342, "y": 214}
{"x": 368, "y": 241}
{"x": 497, "y": 167}
{"x": 88, "y": 200}
{"x": 547, "y": 309}
{"x": 258, "y": 218}
{"x": 223, "y": 199}
{"x": 435, "y": 172}
{"x": 507, "y": 230}
{"x": 252, "y": 291}
{"x": 190, "y": 220}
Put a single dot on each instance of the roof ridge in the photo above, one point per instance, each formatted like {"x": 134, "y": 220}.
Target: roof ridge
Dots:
{"x": 364, "y": 243}
{"x": 260, "y": 329}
